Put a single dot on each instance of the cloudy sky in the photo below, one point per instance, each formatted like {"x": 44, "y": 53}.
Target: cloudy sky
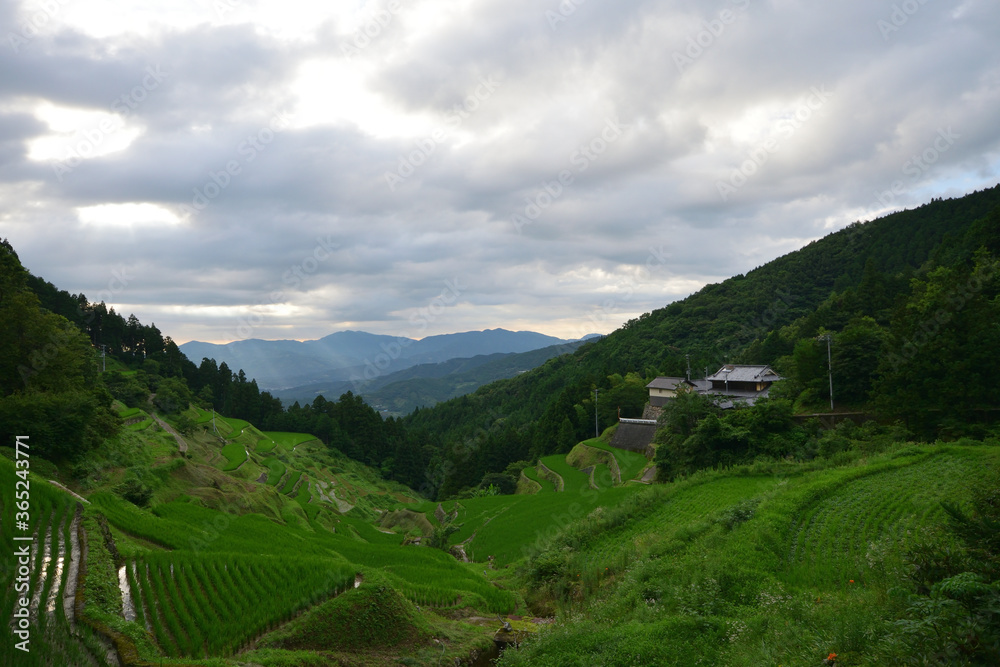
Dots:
{"x": 248, "y": 168}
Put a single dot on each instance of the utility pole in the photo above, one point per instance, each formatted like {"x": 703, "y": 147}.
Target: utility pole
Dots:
{"x": 597, "y": 433}
{"x": 688, "y": 358}
{"x": 104, "y": 358}
{"x": 829, "y": 366}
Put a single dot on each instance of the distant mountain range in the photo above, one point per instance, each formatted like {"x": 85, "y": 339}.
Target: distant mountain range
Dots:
{"x": 350, "y": 359}
{"x": 425, "y": 385}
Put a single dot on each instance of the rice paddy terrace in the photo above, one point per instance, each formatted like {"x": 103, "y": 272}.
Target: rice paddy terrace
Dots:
{"x": 266, "y": 548}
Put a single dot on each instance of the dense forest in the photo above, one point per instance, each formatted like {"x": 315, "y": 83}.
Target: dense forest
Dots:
{"x": 908, "y": 304}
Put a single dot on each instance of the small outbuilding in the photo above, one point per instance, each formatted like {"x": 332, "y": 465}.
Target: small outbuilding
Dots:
{"x": 662, "y": 389}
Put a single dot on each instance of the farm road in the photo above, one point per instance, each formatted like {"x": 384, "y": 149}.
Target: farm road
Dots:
{"x": 170, "y": 429}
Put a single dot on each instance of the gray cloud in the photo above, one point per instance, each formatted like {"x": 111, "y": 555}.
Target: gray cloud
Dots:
{"x": 807, "y": 112}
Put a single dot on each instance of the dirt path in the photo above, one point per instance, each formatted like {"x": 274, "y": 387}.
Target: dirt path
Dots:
{"x": 170, "y": 429}
{"x": 75, "y": 495}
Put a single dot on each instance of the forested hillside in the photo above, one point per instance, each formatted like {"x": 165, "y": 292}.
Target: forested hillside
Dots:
{"x": 872, "y": 285}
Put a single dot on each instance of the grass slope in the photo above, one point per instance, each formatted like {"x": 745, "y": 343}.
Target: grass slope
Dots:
{"x": 763, "y": 565}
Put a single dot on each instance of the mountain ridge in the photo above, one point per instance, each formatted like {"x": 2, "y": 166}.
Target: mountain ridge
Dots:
{"x": 357, "y": 356}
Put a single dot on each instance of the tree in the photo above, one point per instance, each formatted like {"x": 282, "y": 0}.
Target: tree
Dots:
{"x": 856, "y": 353}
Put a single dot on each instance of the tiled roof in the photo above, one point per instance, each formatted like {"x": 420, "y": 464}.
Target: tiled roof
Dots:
{"x": 665, "y": 383}
{"x": 745, "y": 373}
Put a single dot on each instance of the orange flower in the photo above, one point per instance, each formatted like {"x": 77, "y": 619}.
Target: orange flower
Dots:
{"x": 851, "y": 581}
{"x": 833, "y": 656}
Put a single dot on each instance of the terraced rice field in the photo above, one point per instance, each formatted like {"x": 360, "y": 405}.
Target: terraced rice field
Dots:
{"x": 602, "y": 476}
{"x": 574, "y": 481}
{"x": 210, "y": 605}
{"x": 275, "y": 470}
{"x": 840, "y": 537}
{"x": 235, "y": 454}
{"x": 684, "y": 508}
{"x": 532, "y": 521}
{"x": 283, "y": 440}
{"x": 201, "y": 535}
{"x": 54, "y": 570}
{"x": 533, "y": 475}
{"x": 631, "y": 464}
{"x": 291, "y": 481}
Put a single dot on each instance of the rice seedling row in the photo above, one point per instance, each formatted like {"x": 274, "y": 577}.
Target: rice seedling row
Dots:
{"x": 210, "y": 605}
{"x": 829, "y": 543}
{"x": 51, "y": 511}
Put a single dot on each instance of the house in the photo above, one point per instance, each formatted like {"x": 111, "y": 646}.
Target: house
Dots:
{"x": 662, "y": 389}
{"x": 741, "y": 382}
{"x": 734, "y": 381}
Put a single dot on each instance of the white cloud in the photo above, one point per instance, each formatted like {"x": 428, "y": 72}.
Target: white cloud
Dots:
{"x": 126, "y": 215}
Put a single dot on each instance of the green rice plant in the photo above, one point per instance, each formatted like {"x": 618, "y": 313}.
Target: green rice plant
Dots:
{"x": 235, "y": 454}
{"x": 602, "y": 476}
{"x": 833, "y": 539}
{"x": 631, "y": 464}
{"x": 574, "y": 481}
{"x": 275, "y": 470}
{"x": 533, "y": 475}
{"x": 194, "y": 601}
{"x": 293, "y": 478}
{"x": 538, "y": 520}
{"x": 283, "y": 440}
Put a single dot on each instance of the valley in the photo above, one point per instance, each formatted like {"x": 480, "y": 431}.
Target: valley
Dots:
{"x": 156, "y": 511}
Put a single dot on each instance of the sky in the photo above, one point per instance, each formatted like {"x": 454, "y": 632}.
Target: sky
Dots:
{"x": 231, "y": 169}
